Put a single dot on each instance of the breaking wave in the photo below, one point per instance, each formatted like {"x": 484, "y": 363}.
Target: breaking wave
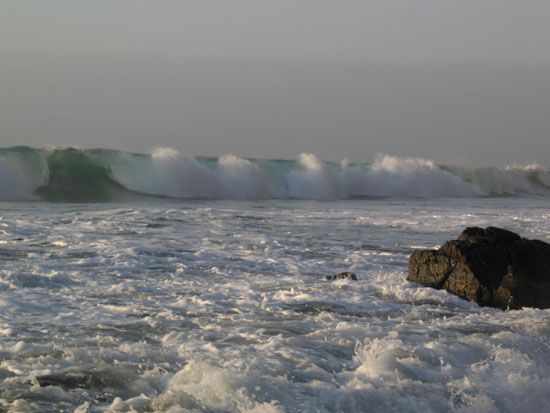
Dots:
{"x": 74, "y": 175}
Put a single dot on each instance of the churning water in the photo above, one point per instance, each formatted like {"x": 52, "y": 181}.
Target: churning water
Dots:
{"x": 223, "y": 306}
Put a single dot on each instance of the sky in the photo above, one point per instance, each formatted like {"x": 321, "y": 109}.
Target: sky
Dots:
{"x": 463, "y": 81}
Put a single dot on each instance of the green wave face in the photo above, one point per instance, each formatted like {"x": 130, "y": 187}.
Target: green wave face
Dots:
{"x": 75, "y": 177}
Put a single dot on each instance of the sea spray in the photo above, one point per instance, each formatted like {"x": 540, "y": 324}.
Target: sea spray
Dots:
{"x": 111, "y": 175}
{"x": 22, "y": 170}
{"x": 166, "y": 172}
{"x": 390, "y": 176}
{"x": 241, "y": 178}
{"x": 313, "y": 179}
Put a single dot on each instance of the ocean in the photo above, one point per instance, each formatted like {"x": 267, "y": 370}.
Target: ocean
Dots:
{"x": 170, "y": 283}
{"x": 74, "y": 175}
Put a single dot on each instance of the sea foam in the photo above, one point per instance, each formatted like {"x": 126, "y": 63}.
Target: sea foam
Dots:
{"x": 101, "y": 175}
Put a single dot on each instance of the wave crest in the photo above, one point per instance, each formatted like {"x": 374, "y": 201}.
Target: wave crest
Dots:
{"x": 101, "y": 175}
{"x": 390, "y": 176}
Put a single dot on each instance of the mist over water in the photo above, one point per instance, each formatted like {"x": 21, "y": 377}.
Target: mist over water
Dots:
{"x": 110, "y": 175}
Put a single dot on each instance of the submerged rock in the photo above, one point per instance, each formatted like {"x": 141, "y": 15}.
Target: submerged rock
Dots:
{"x": 493, "y": 267}
{"x": 96, "y": 377}
{"x": 346, "y": 275}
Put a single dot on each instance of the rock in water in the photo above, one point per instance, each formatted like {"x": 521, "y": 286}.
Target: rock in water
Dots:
{"x": 493, "y": 267}
{"x": 346, "y": 275}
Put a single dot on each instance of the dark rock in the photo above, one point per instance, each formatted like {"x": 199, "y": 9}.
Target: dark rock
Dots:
{"x": 493, "y": 267}
{"x": 94, "y": 378}
{"x": 346, "y": 275}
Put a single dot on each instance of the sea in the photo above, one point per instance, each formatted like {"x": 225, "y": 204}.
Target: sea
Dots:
{"x": 168, "y": 283}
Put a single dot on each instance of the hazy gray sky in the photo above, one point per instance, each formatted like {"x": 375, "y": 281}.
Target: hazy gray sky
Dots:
{"x": 458, "y": 81}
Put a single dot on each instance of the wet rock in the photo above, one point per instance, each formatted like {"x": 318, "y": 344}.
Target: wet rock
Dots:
{"x": 93, "y": 378}
{"x": 346, "y": 275}
{"x": 492, "y": 266}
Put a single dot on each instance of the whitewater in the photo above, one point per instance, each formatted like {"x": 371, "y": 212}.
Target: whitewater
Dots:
{"x": 68, "y": 174}
{"x": 168, "y": 283}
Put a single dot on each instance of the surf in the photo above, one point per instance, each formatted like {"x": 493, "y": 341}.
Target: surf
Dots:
{"x": 103, "y": 175}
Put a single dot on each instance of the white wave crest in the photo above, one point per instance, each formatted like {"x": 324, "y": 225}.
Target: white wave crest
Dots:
{"x": 19, "y": 180}
{"x": 167, "y": 173}
{"x": 241, "y": 178}
{"x": 513, "y": 180}
{"x": 313, "y": 180}
{"x": 534, "y": 170}
{"x": 390, "y": 176}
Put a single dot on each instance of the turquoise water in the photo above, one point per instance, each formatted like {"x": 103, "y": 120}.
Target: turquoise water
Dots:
{"x": 103, "y": 175}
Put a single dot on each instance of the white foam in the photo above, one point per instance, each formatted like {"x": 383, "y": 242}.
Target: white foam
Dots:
{"x": 313, "y": 180}
{"x": 17, "y": 182}
{"x": 168, "y": 173}
{"x": 24, "y": 279}
{"x": 204, "y": 386}
{"x": 226, "y": 308}
{"x": 241, "y": 178}
{"x": 513, "y": 180}
{"x": 390, "y": 176}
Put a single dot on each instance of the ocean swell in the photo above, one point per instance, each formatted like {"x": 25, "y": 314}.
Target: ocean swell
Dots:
{"x": 74, "y": 175}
